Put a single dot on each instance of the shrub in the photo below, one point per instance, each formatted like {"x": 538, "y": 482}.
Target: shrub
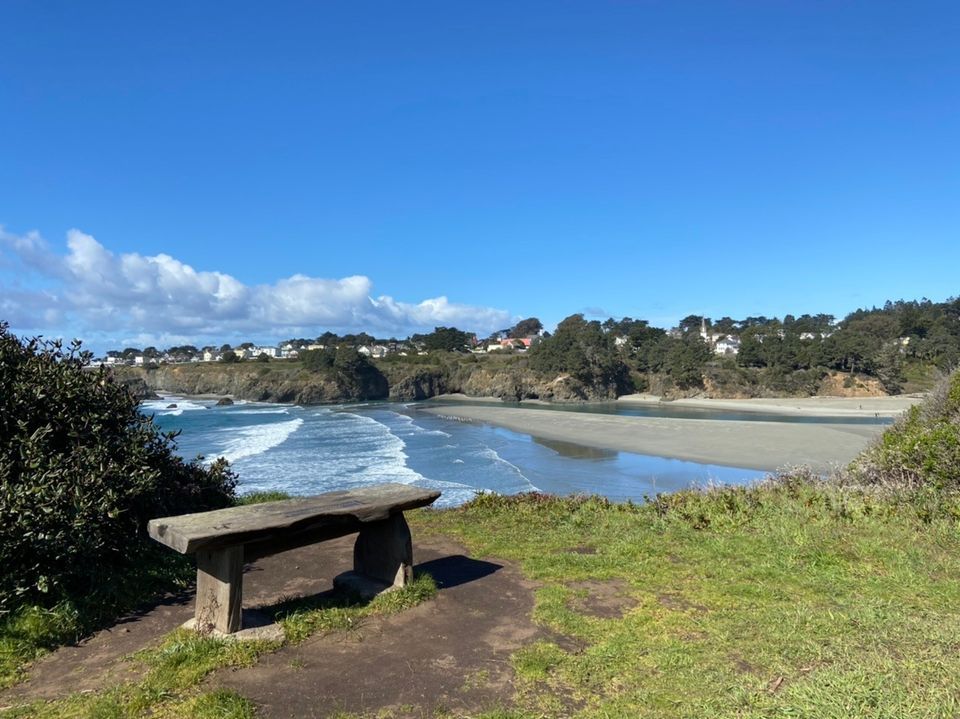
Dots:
{"x": 922, "y": 449}
{"x": 318, "y": 360}
{"x": 81, "y": 473}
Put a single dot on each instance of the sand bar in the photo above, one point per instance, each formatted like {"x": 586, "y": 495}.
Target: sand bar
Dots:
{"x": 814, "y": 406}
{"x": 752, "y": 445}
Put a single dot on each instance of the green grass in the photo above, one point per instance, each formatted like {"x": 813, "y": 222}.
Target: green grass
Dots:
{"x": 173, "y": 669}
{"x": 303, "y": 618}
{"x": 788, "y": 600}
{"x": 31, "y": 631}
{"x": 261, "y": 497}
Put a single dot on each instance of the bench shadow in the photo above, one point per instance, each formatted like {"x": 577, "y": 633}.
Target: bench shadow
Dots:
{"x": 457, "y": 569}
{"x": 171, "y": 599}
{"x": 447, "y": 572}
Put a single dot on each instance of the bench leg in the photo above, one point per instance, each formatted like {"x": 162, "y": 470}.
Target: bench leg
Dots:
{"x": 219, "y": 589}
{"x": 384, "y": 551}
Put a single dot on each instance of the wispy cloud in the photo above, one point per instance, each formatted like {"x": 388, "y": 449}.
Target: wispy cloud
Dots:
{"x": 89, "y": 289}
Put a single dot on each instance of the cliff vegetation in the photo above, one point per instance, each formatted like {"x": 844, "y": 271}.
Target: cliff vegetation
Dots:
{"x": 901, "y": 347}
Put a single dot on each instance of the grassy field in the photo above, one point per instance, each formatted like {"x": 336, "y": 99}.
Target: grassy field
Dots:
{"x": 788, "y": 600}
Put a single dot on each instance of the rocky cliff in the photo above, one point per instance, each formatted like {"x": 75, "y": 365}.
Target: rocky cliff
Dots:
{"x": 404, "y": 382}
{"x": 262, "y": 384}
{"x": 288, "y": 382}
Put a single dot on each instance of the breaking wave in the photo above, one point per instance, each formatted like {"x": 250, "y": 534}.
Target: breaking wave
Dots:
{"x": 251, "y": 441}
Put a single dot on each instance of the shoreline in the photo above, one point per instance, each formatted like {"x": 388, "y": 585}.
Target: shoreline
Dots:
{"x": 760, "y": 445}
{"x": 819, "y": 406}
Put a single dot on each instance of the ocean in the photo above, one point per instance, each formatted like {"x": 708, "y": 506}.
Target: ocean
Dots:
{"x": 308, "y": 450}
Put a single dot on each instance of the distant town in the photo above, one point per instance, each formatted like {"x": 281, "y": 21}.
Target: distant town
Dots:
{"x": 721, "y": 338}
{"x": 442, "y": 338}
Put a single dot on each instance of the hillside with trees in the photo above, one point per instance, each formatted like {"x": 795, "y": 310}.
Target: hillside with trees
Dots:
{"x": 900, "y": 347}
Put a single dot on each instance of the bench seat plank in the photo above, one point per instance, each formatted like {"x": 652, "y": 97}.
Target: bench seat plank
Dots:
{"x": 334, "y": 513}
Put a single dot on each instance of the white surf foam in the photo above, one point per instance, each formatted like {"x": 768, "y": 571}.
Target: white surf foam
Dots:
{"x": 366, "y": 449}
{"x": 407, "y": 422}
{"x": 251, "y": 441}
{"x": 492, "y": 455}
{"x": 360, "y": 450}
{"x": 160, "y": 405}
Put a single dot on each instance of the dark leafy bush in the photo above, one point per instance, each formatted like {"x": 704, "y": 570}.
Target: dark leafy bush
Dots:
{"x": 81, "y": 473}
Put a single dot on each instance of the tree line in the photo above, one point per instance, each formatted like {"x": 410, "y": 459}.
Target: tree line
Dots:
{"x": 880, "y": 342}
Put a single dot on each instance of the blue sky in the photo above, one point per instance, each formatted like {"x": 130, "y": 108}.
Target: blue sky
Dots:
{"x": 189, "y": 171}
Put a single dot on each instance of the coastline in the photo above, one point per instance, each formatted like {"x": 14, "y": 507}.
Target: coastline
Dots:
{"x": 820, "y": 406}
{"x": 760, "y": 445}
{"x": 810, "y": 406}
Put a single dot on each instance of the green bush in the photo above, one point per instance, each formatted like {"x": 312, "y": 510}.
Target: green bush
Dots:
{"x": 81, "y": 473}
{"x": 318, "y": 360}
{"x": 922, "y": 449}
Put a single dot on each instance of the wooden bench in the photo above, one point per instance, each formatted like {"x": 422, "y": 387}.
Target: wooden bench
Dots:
{"x": 226, "y": 538}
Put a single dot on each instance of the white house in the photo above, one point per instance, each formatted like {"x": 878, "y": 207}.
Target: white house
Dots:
{"x": 726, "y": 346}
{"x": 375, "y": 351}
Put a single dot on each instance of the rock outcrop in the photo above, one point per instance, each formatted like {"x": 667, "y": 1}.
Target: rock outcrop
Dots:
{"x": 259, "y": 383}
{"x": 293, "y": 384}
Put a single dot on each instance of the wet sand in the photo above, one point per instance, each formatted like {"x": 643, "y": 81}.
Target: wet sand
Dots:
{"x": 753, "y": 445}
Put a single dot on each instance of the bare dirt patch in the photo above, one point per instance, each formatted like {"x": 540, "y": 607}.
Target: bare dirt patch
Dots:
{"x": 743, "y": 666}
{"x": 605, "y": 600}
{"x": 679, "y": 604}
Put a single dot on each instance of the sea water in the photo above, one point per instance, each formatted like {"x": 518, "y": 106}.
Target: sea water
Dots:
{"x": 308, "y": 450}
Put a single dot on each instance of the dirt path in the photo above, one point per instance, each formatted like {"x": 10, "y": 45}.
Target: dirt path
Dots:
{"x": 452, "y": 652}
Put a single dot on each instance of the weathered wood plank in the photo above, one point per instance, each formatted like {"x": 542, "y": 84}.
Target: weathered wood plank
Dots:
{"x": 384, "y": 551}
{"x": 334, "y": 512}
{"x": 219, "y": 589}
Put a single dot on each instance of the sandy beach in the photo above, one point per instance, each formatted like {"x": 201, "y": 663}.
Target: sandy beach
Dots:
{"x": 748, "y": 444}
{"x": 814, "y": 406}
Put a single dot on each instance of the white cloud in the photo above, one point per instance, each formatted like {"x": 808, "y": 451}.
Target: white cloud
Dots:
{"x": 90, "y": 290}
